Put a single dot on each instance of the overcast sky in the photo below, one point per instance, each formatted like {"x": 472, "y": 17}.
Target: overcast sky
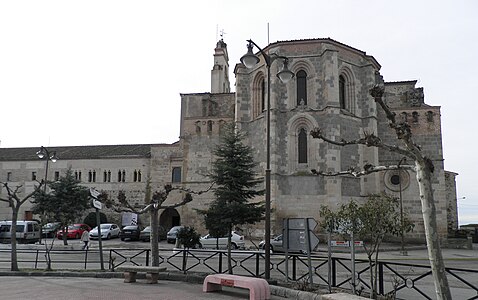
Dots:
{"x": 110, "y": 72}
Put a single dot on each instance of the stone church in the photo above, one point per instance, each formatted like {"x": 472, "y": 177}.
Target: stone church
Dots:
{"x": 330, "y": 90}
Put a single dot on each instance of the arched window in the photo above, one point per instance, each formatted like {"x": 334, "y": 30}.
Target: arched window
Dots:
{"x": 301, "y": 88}
{"x": 263, "y": 95}
{"x": 258, "y": 95}
{"x": 429, "y": 116}
{"x": 414, "y": 117}
{"x": 342, "y": 92}
{"x": 221, "y": 126}
{"x": 209, "y": 126}
{"x": 302, "y": 146}
{"x": 198, "y": 127}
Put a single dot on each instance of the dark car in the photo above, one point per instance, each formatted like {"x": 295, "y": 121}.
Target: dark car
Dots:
{"x": 130, "y": 232}
{"x": 145, "y": 235}
{"x": 50, "y": 229}
{"x": 172, "y": 233}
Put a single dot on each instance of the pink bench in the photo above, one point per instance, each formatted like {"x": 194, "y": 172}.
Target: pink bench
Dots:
{"x": 258, "y": 287}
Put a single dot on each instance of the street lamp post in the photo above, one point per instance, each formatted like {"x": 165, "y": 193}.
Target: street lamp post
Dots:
{"x": 43, "y": 153}
{"x": 250, "y": 60}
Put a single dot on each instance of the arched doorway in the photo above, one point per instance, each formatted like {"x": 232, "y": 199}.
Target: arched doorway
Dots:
{"x": 169, "y": 218}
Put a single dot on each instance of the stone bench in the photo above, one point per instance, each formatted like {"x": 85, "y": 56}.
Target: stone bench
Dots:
{"x": 258, "y": 287}
{"x": 152, "y": 273}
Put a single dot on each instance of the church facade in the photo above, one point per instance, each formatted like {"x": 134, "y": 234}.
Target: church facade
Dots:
{"x": 330, "y": 90}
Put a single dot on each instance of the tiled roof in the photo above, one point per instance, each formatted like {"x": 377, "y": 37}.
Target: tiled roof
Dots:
{"x": 80, "y": 152}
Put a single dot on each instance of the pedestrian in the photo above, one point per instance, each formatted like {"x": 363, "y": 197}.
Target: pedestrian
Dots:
{"x": 85, "y": 238}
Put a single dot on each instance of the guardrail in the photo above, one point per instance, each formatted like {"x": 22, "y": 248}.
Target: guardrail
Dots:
{"x": 410, "y": 281}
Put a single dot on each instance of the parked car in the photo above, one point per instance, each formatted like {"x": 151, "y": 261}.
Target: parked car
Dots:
{"x": 275, "y": 244}
{"x": 73, "y": 231}
{"x": 130, "y": 232}
{"x": 108, "y": 231}
{"x": 237, "y": 241}
{"x": 172, "y": 234}
{"x": 145, "y": 234}
{"x": 50, "y": 229}
{"x": 27, "y": 231}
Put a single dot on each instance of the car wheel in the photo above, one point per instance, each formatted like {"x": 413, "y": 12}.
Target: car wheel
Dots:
{"x": 272, "y": 248}
{"x": 122, "y": 239}
{"x": 108, "y": 236}
{"x": 233, "y": 246}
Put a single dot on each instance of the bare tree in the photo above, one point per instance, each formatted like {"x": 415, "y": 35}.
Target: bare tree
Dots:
{"x": 423, "y": 167}
{"x": 15, "y": 201}
{"x": 154, "y": 204}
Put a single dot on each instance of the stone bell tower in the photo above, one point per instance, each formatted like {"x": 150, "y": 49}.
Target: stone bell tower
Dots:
{"x": 220, "y": 71}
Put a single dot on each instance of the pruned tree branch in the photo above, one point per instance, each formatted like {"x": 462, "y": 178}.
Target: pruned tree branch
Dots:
{"x": 13, "y": 194}
{"x": 367, "y": 169}
{"x": 368, "y": 139}
{"x": 157, "y": 200}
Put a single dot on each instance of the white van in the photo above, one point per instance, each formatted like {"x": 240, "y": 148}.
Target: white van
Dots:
{"x": 27, "y": 231}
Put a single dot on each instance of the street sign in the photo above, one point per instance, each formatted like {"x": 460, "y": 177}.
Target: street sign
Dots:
{"x": 345, "y": 243}
{"x": 299, "y": 223}
{"x": 96, "y": 204}
{"x": 296, "y": 231}
{"x": 94, "y": 193}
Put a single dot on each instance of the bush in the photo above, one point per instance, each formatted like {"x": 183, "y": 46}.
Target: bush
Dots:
{"x": 188, "y": 237}
{"x": 90, "y": 219}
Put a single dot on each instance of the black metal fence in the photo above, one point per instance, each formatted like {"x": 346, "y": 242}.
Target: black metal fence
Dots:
{"x": 407, "y": 281}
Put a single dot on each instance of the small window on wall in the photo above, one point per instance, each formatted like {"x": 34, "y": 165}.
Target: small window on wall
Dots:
{"x": 92, "y": 176}
{"x": 78, "y": 175}
{"x": 9, "y": 176}
{"x": 176, "y": 175}
{"x": 137, "y": 176}
{"x": 57, "y": 175}
{"x": 34, "y": 176}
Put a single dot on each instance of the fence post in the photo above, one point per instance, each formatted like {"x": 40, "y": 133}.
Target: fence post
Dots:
{"x": 36, "y": 259}
{"x": 294, "y": 268}
{"x": 109, "y": 260}
{"x": 147, "y": 257}
{"x": 258, "y": 257}
{"x": 86, "y": 256}
{"x": 220, "y": 262}
{"x": 334, "y": 272}
{"x": 380, "y": 278}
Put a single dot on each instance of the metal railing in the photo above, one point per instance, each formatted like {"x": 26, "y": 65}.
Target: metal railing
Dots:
{"x": 410, "y": 281}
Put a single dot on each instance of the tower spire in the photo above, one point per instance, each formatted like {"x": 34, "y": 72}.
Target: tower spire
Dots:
{"x": 220, "y": 70}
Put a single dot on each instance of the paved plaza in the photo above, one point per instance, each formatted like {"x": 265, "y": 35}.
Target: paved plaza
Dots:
{"x": 78, "y": 288}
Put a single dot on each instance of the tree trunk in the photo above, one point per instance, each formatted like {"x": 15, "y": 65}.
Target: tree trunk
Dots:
{"x": 154, "y": 237}
{"x": 433, "y": 243}
{"x": 13, "y": 238}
